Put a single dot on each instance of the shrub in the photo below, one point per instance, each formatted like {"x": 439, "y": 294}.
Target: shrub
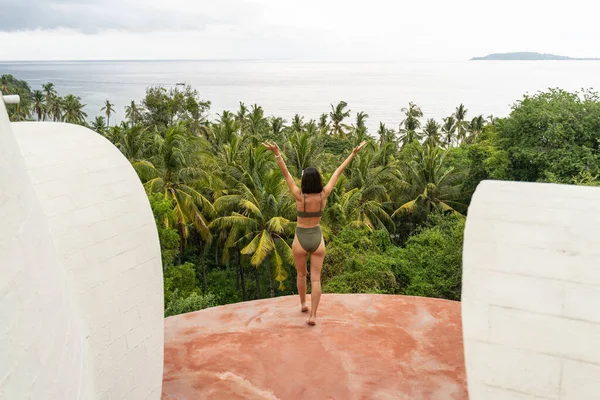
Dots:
{"x": 179, "y": 281}
{"x": 193, "y": 302}
{"x": 169, "y": 238}
{"x": 222, "y": 284}
{"x": 374, "y": 276}
{"x": 431, "y": 263}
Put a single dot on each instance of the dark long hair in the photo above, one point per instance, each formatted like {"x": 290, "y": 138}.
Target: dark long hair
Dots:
{"x": 311, "y": 181}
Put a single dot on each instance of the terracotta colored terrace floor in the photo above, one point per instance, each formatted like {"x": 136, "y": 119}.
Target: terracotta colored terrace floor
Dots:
{"x": 363, "y": 347}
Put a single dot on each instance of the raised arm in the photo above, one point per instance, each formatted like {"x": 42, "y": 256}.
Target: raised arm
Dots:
{"x": 272, "y": 146}
{"x": 334, "y": 178}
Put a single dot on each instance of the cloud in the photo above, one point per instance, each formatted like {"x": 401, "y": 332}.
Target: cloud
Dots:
{"x": 92, "y": 17}
{"x": 346, "y": 30}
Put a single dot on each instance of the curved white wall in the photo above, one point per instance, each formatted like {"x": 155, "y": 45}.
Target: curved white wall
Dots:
{"x": 531, "y": 292}
{"x": 81, "y": 295}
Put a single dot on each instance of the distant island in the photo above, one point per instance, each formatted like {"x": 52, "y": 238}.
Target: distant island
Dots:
{"x": 528, "y": 56}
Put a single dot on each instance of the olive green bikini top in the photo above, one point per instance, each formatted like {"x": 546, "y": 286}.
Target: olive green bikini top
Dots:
{"x": 308, "y": 214}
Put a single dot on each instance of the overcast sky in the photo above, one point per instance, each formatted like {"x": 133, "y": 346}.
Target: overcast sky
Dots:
{"x": 353, "y": 30}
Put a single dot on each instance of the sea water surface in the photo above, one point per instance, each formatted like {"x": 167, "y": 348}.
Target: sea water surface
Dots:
{"x": 284, "y": 88}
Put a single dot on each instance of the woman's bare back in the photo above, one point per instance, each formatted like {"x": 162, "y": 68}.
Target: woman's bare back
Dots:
{"x": 313, "y": 204}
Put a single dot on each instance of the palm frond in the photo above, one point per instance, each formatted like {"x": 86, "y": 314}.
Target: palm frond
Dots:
{"x": 251, "y": 208}
{"x": 230, "y": 221}
{"x": 409, "y": 207}
{"x": 227, "y": 202}
{"x": 277, "y": 225}
{"x": 280, "y": 272}
{"x": 146, "y": 170}
{"x": 156, "y": 185}
{"x": 188, "y": 208}
{"x": 198, "y": 199}
{"x": 252, "y": 246}
{"x": 263, "y": 249}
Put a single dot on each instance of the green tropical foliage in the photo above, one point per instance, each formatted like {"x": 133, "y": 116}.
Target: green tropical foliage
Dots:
{"x": 175, "y": 171}
{"x": 393, "y": 223}
{"x": 430, "y": 263}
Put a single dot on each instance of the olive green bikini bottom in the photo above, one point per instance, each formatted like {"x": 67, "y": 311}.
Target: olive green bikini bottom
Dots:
{"x": 309, "y": 238}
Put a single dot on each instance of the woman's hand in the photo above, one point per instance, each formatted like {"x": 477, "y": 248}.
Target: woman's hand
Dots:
{"x": 272, "y": 146}
{"x": 357, "y": 148}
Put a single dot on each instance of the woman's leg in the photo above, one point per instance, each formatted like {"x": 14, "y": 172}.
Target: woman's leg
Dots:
{"x": 300, "y": 261}
{"x": 316, "y": 263}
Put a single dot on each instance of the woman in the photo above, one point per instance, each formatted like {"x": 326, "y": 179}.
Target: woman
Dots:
{"x": 312, "y": 196}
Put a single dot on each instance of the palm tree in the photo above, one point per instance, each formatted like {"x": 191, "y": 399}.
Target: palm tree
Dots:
{"x": 432, "y": 186}
{"x": 49, "y": 89}
{"x": 6, "y": 83}
{"x": 385, "y": 135}
{"x": 410, "y": 124}
{"x": 21, "y": 113}
{"x": 257, "y": 123}
{"x": 354, "y": 209}
{"x": 412, "y": 114}
{"x": 224, "y": 130}
{"x": 405, "y": 137}
{"x": 387, "y": 144}
{"x": 133, "y": 142}
{"x": 431, "y": 132}
{"x": 240, "y": 117}
{"x": 297, "y": 123}
{"x": 132, "y": 113}
{"x": 38, "y": 104}
{"x": 73, "y": 110}
{"x": 229, "y": 157}
{"x": 461, "y": 125}
{"x": 337, "y": 115}
{"x": 492, "y": 119}
{"x": 114, "y": 134}
{"x": 277, "y": 126}
{"x": 255, "y": 222}
{"x": 368, "y": 193}
{"x": 108, "y": 110}
{"x": 475, "y": 127}
{"x": 311, "y": 127}
{"x": 361, "y": 117}
{"x": 252, "y": 167}
{"x": 323, "y": 124}
{"x": 99, "y": 125}
{"x": 196, "y": 118}
{"x": 55, "y": 107}
{"x": 360, "y": 129}
{"x": 300, "y": 151}
{"x": 173, "y": 172}
{"x": 449, "y": 128}
{"x": 10, "y": 85}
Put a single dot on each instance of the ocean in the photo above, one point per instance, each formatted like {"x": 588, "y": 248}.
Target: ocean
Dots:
{"x": 284, "y": 88}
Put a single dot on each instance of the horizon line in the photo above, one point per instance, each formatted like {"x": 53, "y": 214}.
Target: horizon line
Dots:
{"x": 222, "y": 60}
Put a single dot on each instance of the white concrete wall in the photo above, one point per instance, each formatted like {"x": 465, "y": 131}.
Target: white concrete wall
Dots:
{"x": 42, "y": 350}
{"x": 531, "y": 292}
{"x": 81, "y": 295}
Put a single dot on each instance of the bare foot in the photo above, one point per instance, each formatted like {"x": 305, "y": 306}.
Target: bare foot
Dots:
{"x": 304, "y": 308}
{"x": 311, "y": 321}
